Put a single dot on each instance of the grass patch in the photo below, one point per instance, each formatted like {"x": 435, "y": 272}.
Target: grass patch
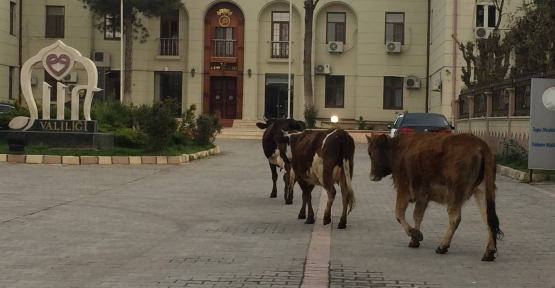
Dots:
{"x": 522, "y": 165}
{"x": 116, "y": 151}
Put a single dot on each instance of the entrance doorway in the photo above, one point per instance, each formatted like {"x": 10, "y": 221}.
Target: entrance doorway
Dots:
{"x": 276, "y": 98}
{"x": 223, "y": 96}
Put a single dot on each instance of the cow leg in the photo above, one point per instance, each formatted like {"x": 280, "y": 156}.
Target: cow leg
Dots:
{"x": 418, "y": 214}
{"x": 480, "y": 197}
{"x": 273, "y": 168}
{"x": 307, "y": 201}
{"x": 454, "y": 211}
{"x": 401, "y": 204}
{"x": 331, "y": 196}
{"x": 289, "y": 183}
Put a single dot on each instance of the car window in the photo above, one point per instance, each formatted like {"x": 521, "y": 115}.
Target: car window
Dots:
{"x": 398, "y": 121}
{"x": 4, "y": 108}
{"x": 425, "y": 120}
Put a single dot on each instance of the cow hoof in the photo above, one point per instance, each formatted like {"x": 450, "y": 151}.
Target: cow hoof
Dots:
{"x": 441, "y": 250}
{"x": 416, "y": 234}
{"x": 302, "y": 216}
{"x": 310, "y": 220}
{"x": 289, "y": 201}
{"x": 327, "y": 220}
{"x": 414, "y": 243}
{"x": 273, "y": 195}
{"x": 489, "y": 256}
{"x": 342, "y": 225}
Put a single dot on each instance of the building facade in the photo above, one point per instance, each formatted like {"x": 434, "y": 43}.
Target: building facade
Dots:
{"x": 371, "y": 59}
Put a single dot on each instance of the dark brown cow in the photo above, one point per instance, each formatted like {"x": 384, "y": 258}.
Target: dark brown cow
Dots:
{"x": 274, "y": 127}
{"x": 322, "y": 158}
{"x": 447, "y": 169}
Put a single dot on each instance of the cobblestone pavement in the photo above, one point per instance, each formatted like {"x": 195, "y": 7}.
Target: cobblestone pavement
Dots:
{"x": 210, "y": 223}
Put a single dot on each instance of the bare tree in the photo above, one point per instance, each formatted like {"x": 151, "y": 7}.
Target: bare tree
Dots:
{"x": 309, "y": 6}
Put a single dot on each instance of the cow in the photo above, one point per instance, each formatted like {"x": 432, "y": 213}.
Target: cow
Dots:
{"x": 274, "y": 127}
{"x": 443, "y": 168}
{"x": 322, "y": 158}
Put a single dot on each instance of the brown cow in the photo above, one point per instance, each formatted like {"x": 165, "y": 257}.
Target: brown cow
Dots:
{"x": 447, "y": 169}
{"x": 274, "y": 127}
{"x": 322, "y": 158}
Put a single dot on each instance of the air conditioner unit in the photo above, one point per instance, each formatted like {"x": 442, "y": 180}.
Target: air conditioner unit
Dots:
{"x": 70, "y": 87}
{"x": 335, "y": 47}
{"x": 102, "y": 59}
{"x": 481, "y": 32}
{"x": 436, "y": 86}
{"x": 34, "y": 80}
{"x": 322, "y": 69}
{"x": 412, "y": 82}
{"x": 393, "y": 47}
{"x": 70, "y": 78}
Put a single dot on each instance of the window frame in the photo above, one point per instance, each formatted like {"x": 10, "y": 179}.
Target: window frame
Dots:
{"x": 11, "y": 71}
{"x": 394, "y": 29}
{"x": 55, "y": 18}
{"x": 392, "y": 89}
{"x": 335, "y": 32}
{"x": 228, "y": 43}
{"x": 12, "y": 18}
{"x": 282, "y": 55}
{"x": 115, "y": 25}
{"x": 485, "y": 17}
{"x": 333, "y": 84}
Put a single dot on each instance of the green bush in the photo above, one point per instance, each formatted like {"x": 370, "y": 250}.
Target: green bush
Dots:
{"x": 207, "y": 127}
{"x": 112, "y": 112}
{"x": 188, "y": 119}
{"x": 6, "y": 117}
{"x": 130, "y": 138}
{"x": 160, "y": 124}
{"x": 180, "y": 139}
{"x": 513, "y": 153}
{"x": 310, "y": 115}
{"x": 361, "y": 123}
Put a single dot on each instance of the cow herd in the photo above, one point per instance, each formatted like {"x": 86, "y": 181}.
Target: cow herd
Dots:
{"x": 443, "y": 168}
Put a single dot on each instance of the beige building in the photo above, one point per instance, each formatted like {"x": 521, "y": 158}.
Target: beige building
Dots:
{"x": 370, "y": 58}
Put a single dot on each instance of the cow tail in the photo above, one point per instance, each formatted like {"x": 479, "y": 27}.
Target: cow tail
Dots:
{"x": 489, "y": 168}
{"x": 348, "y": 152}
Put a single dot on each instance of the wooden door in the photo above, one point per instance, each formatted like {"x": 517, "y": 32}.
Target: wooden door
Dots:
{"x": 223, "y": 96}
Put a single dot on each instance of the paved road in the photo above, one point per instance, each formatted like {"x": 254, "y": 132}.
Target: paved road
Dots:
{"x": 210, "y": 223}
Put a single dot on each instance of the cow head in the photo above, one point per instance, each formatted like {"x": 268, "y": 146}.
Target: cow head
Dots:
{"x": 380, "y": 165}
{"x": 283, "y": 142}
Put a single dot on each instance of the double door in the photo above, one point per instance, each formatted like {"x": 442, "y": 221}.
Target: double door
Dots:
{"x": 223, "y": 96}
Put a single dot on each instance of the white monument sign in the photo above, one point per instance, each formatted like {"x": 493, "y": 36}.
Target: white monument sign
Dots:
{"x": 541, "y": 142}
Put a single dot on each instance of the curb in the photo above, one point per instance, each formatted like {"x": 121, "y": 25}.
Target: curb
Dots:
{"x": 107, "y": 160}
{"x": 523, "y": 176}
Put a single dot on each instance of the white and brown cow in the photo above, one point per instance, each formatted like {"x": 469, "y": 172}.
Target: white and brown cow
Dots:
{"x": 322, "y": 158}
{"x": 274, "y": 127}
{"x": 444, "y": 168}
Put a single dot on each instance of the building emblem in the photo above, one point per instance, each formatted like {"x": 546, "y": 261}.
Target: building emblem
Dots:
{"x": 224, "y": 14}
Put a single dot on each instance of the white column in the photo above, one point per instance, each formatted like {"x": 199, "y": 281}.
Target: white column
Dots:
{"x": 60, "y": 101}
{"x": 46, "y": 91}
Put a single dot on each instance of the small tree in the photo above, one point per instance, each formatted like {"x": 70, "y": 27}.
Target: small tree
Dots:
{"x": 132, "y": 26}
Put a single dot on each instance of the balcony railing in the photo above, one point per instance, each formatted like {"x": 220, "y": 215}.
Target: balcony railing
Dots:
{"x": 280, "y": 49}
{"x": 169, "y": 46}
{"x": 223, "y": 48}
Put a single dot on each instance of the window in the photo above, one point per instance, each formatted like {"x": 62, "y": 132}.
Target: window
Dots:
{"x": 393, "y": 93}
{"x": 486, "y": 15}
{"x": 335, "y": 91}
{"x": 336, "y": 27}
{"x": 395, "y": 27}
{"x": 55, "y": 18}
{"x": 169, "y": 85}
{"x": 10, "y": 82}
{"x": 169, "y": 33}
{"x": 224, "y": 42}
{"x": 112, "y": 27}
{"x": 12, "y": 18}
{"x": 280, "y": 34}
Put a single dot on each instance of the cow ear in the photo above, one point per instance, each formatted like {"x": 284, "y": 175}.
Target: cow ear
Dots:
{"x": 381, "y": 140}
{"x": 281, "y": 139}
{"x": 301, "y": 126}
{"x": 368, "y": 138}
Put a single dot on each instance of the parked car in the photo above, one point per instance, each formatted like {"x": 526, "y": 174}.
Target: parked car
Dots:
{"x": 393, "y": 127}
{"x": 428, "y": 122}
{"x": 5, "y": 108}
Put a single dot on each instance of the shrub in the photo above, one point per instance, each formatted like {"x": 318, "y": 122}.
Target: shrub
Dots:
{"x": 160, "y": 124}
{"x": 130, "y": 138}
{"x": 112, "y": 112}
{"x": 207, "y": 127}
{"x": 513, "y": 153}
{"x": 140, "y": 116}
{"x": 180, "y": 139}
{"x": 6, "y": 117}
{"x": 361, "y": 123}
{"x": 188, "y": 119}
{"x": 310, "y": 114}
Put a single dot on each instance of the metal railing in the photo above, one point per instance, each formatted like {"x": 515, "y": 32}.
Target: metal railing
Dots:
{"x": 223, "y": 48}
{"x": 169, "y": 46}
{"x": 280, "y": 49}
{"x": 463, "y": 107}
{"x": 522, "y": 98}
{"x": 480, "y": 105}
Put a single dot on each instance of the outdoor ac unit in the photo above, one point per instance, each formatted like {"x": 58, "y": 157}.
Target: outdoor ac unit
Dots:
{"x": 102, "y": 59}
{"x": 323, "y": 69}
{"x": 335, "y": 47}
{"x": 70, "y": 78}
{"x": 481, "y": 32}
{"x": 34, "y": 80}
{"x": 437, "y": 86}
{"x": 412, "y": 82}
{"x": 70, "y": 87}
{"x": 393, "y": 47}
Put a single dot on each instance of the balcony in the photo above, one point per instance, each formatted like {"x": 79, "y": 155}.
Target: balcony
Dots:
{"x": 280, "y": 49}
{"x": 169, "y": 46}
{"x": 223, "y": 48}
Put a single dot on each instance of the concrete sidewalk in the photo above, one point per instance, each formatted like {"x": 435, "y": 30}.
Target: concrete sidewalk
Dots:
{"x": 210, "y": 223}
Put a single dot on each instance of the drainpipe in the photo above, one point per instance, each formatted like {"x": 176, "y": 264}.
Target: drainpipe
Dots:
{"x": 20, "y": 46}
{"x": 428, "y": 56}
{"x": 454, "y": 73}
